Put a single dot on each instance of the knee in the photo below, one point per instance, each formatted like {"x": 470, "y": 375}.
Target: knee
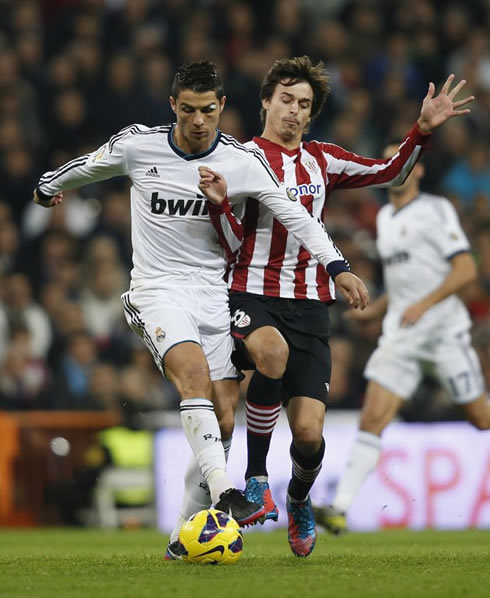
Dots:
{"x": 194, "y": 381}
{"x": 307, "y": 439}
{"x": 478, "y": 413}
{"x": 481, "y": 423}
{"x": 271, "y": 358}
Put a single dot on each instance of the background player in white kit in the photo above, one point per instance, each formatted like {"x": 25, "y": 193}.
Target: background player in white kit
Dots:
{"x": 426, "y": 260}
{"x": 279, "y": 295}
{"x": 178, "y": 301}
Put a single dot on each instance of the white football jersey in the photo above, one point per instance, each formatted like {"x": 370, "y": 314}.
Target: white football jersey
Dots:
{"x": 172, "y": 234}
{"x": 416, "y": 243}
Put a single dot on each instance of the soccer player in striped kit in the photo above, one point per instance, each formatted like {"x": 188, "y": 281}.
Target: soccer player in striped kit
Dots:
{"x": 178, "y": 301}
{"x": 279, "y": 294}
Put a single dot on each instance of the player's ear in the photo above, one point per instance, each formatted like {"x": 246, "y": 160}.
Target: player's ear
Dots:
{"x": 222, "y": 103}
{"x": 173, "y": 103}
{"x": 266, "y": 102}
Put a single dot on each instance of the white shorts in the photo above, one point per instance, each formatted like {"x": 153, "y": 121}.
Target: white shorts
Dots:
{"x": 168, "y": 316}
{"x": 398, "y": 365}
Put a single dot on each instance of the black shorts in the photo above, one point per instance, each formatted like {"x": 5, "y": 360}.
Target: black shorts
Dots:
{"x": 303, "y": 323}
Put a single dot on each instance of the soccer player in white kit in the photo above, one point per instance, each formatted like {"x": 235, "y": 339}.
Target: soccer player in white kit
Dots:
{"x": 178, "y": 301}
{"x": 426, "y": 260}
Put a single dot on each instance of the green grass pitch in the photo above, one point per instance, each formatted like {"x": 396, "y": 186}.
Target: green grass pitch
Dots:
{"x": 128, "y": 563}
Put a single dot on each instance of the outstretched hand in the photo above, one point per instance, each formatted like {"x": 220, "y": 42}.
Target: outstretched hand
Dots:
{"x": 437, "y": 110}
{"x": 212, "y": 184}
{"x": 353, "y": 289}
{"x": 48, "y": 203}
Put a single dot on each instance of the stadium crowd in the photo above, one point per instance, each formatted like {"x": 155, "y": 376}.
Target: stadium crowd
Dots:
{"x": 74, "y": 72}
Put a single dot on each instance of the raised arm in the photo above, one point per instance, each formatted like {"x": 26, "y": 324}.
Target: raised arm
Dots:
{"x": 348, "y": 170}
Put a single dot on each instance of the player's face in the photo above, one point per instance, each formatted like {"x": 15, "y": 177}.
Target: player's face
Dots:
{"x": 288, "y": 112}
{"x": 197, "y": 119}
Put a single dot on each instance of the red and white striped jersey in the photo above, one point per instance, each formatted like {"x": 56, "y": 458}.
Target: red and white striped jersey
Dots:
{"x": 272, "y": 262}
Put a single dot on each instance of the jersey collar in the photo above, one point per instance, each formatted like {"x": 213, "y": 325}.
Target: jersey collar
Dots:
{"x": 398, "y": 210}
{"x": 265, "y": 144}
{"x": 182, "y": 154}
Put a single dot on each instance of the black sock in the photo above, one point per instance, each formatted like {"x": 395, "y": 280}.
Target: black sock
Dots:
{"x": 305, "y": 471}
{"x": 263, "y": 409}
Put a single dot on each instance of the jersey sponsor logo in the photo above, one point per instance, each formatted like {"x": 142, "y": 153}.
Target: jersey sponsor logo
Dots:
{"x": 160, "y": 334}
{"x": 178, "y": 207}
{"x": 153, "y": 172}
{"x": 397, "y": 258}
{"x": 306, "y": 189}
{"x": 240, "y": 319}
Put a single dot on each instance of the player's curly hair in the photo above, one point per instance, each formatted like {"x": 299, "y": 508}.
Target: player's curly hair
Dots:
{"x": 290, "y": 71}
{"x": 199, "y": 76}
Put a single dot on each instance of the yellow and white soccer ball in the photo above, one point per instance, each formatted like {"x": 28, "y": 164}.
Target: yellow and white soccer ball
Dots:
{"x": 211, "y": 537}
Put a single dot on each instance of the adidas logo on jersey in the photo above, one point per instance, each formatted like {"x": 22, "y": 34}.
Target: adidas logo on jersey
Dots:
{"x": 152, "y": 172}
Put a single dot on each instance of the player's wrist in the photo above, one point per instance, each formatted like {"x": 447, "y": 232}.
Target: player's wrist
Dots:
{"x": 423, "y": 127}
{"x": 337, "y": 267}
{"x": 43, "y": 196}
{"x": 219, "y": 208}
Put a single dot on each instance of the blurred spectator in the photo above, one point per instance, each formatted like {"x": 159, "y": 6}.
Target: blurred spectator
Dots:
{"x": 18, "y": 178}
{"x": 9, "y": 243}
{"x": 469, "y": 176}
{"x": 20, "y": 306}
{"x": 100, "y": 300}
{"x": 76, "y": 216}
{"x": 70, "y": 387}
{"x": 22, "y": 375}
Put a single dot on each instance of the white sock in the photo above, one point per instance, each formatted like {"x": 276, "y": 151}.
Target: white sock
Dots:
{"x": 196, "y": 493}
{"x": 362, "y": 460}
{"x": 202, "y": 432}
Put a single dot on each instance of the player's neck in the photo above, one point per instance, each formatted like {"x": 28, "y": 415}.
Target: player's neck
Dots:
{"x": 269, "y": 134}
{"x": 186, "y": 146}
{"x": 398, "y": 200}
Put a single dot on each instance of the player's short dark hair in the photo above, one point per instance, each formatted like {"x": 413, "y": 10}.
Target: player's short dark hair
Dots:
{"x": 199, "y": 76}
{"x": 290, "y": 71}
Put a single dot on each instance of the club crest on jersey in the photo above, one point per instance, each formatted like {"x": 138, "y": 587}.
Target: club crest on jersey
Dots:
{"x": 160, "y": 335}
{"x": 311, "y": 165}
{"x": 99, "y": 155}
{"x": 240, "y": 319}
{"x": 291, "y": 195}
